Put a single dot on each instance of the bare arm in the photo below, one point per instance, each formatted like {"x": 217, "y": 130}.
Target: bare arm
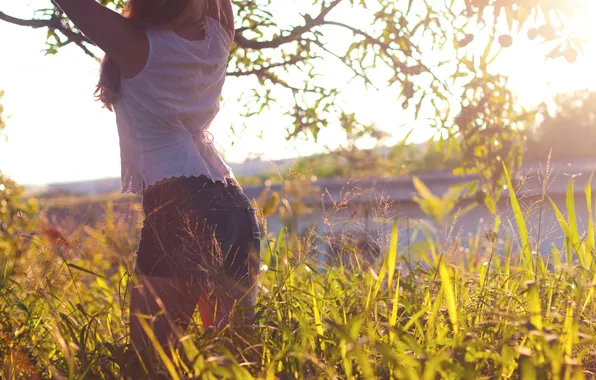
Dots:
{"x": 222, "y": 11}
{"x": 126, "y": 44}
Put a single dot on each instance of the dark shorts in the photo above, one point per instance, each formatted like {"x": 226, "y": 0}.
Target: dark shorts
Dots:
{"x": 196, "y": 227}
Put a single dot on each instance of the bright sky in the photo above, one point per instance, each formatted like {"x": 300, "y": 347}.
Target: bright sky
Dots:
{"x": 58, "y": 132}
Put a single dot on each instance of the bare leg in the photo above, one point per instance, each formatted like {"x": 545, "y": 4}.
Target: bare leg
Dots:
{"x": 233, "y": 300}
{"x": 166, "y": 304}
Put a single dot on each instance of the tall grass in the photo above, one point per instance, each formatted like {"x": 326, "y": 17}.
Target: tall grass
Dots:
{"x": 514, "y": 315}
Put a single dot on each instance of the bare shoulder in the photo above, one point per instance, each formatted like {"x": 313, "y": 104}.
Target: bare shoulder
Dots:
{"x": 222, "y": 11}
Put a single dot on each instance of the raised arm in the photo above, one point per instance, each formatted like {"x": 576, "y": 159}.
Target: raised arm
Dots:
{"x": 222, "y": 11}
{"x": 126, "y": 44}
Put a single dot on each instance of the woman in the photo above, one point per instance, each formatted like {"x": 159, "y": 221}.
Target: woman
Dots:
{"x": 163, "y": 75}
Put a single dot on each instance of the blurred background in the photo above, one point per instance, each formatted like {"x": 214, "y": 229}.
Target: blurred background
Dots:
{"x": 329, "y": 125}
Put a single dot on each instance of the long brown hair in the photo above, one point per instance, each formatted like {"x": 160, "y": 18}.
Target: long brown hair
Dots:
{"x": 146, "y": 14}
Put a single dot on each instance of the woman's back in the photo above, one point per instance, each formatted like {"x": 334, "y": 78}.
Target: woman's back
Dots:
{"x": 164, "y": 111}
{"x": 200, "y": 240}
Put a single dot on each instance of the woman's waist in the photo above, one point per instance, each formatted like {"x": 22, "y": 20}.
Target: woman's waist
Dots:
{"x": 198, "y": 181}
{"x": 170, "y": 172}
{"x": 200, "y": 193}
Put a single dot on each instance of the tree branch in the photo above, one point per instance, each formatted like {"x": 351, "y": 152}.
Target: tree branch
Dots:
{"x": 30, "y": 23}
{"x": 47, "y": 23}
{"x": 292, "y": 61}
{"x": 386, "y": 49}
{"x": 294, "y": 35}
{"x": 343, "y": 60}
{"x": 55, "y": 23}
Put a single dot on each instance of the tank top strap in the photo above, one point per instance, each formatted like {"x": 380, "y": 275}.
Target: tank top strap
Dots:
{"x": 216, "y": 29}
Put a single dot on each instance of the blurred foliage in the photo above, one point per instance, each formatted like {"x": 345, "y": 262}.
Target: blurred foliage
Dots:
{"x": 437, "y": 55}
{"x": 568, "y": 129}
{"x": 291, "y": 202}
{"x": 400, "y": 159}
{"x": 2, "y": 122}
{"x": 16, "y": 215}
{"x": 438, "y": 208}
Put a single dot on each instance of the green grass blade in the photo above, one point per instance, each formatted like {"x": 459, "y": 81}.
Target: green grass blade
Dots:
{"x": 159, "y": 349}
{"x": 394, "y": 309}
{"x": 560, "y": 218}
{"x": 449, "y": 294}
{"x": 367, "y": 371}
{"x": 570, "y": 200}
{"x": 317, "y": 313}
{"x": 556, "y": 256}
{"x": 347, "y": 363}
{"x": 569, "y": 331}
{"x": 564, "y": 227}
{"x": 379, "y": 282}
{"x": 415, "y": 319}
{"x": 392, "y": 256}
{"x": 589, "y": 297}
{"x": 430, "y": 325}
{"x": 385, "y": 268}
{"x": 85, "y": 270}
{"x": 588, "y": 190}
{"x": 590, "y": 232}
{"x": 526, "y": 368}
{"x": 519, "y": 219}
{"x": 534, "y": 306}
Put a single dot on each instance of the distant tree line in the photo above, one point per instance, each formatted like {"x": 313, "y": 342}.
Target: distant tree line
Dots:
{"x": 567, "y": 131}
{"x": 2, "y": 123}
{"x": 393, "y": 44}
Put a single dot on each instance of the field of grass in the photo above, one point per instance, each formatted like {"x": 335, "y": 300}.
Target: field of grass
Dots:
{"x": 490, "y": 314}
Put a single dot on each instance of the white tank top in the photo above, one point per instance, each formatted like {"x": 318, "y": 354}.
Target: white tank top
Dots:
{"x": 163, "y": 112}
